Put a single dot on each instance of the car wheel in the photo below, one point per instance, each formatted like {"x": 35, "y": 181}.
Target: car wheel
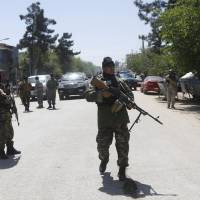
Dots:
{"x": 61, "y": 97}
{"x": 145, "y": 92}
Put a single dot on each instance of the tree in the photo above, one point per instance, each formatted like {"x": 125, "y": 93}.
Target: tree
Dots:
{"x": 64, "y": 51}
{"x": 38, "y": 38}
{"x": 181, "y": 32}
{"x": 149, "y": 63}
{"x": 150, "y": 14}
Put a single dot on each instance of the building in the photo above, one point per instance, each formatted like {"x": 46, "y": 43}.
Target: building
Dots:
{"x": 8, "y": 63}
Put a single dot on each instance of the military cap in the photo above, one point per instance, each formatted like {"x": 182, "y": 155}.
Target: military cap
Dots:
{"x": 108, "y": 62}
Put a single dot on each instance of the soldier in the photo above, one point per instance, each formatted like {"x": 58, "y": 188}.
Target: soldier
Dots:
{"x": 6, "y": 130}
{"x": 25, "y": 93}
{"x": 171, "y": 84}
{"x": 111, "y": 121}
{"x": 39, "y": 92}
{"x": 51, "y": 91}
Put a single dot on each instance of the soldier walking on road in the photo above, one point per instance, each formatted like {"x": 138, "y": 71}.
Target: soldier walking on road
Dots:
{"x": 171, "y": 83}
{"x": 39, "y": 92}
{"x": 112, "y": 121}
{"x": 25, "y": 92}
{"x": 51, "y": 92}
{"x": 6, "y": 130}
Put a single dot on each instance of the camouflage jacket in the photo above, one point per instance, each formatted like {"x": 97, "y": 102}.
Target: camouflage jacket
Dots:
{"x": 5, "y": 108}
{"x": 106, "y": 118}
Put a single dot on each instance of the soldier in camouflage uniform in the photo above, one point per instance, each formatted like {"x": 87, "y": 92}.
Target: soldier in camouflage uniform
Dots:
{"x": 6, "y": 130}
{"x": 171, "y": 80}
{"x": 51, "y": 92}
{"x": 111, "y": 123}
{"x": 25, "y": 92}
{"x": 39, "y": 92}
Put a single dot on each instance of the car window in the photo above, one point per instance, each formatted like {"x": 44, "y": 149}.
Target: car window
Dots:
{"x": 153, "y": 78}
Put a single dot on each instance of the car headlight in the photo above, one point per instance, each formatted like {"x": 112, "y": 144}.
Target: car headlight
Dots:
{"x": 80, "y": 84}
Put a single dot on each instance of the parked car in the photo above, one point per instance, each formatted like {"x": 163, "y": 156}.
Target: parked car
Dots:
{"x": 73, "y": 83}
{"x": 150, "y": 84}
{"x": 190, "y": 83}
{"x": 43, "y": 79}
{"x": 129, "y": 79}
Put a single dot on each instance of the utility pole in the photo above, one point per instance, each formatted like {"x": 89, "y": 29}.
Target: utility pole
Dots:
{"x": 143, "y": 38}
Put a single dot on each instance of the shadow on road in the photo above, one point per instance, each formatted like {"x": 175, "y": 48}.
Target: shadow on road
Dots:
{"x": 185, "y": 105}
{"x": 129, "y": 188}
{"x": 9, "y": 163}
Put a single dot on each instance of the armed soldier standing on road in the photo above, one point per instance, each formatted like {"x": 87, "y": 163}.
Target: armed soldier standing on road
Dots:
{"x": 51, "y": 92}
{"x": 171, "y": 83}
{"x": 6, "y": 130}
{"x": 111, "y": 118}
{"x": 39, "y": 92}
{"x": 25, "y": 92}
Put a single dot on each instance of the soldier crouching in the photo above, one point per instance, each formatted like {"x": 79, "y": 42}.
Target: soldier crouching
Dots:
{"x": 6, "y": 130}
{"x": 112, "y": 120}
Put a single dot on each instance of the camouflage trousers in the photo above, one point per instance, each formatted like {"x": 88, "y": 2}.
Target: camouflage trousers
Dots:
{"x": 51, "y": 97}
{"x": 26, "y": 101}
{"x": 6, "y": 133}
{"x": 40, "y": 98}
{"x": 171, "y": 94}
{"x": 104, "y": 140}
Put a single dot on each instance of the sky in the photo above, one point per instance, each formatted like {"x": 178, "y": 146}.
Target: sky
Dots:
{"x": 99, "y": 28}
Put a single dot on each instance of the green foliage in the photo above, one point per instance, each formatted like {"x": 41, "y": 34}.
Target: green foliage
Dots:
{"x": 52, "y": 65}
{"x": 181, "y": 32}
{"x": 150, "y": 13}
{"x": 149, "y": 62}
{"x": 38, "y": 37}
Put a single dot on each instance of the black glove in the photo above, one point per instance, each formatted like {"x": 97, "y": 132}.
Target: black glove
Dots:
{"x": 115, "y": 91}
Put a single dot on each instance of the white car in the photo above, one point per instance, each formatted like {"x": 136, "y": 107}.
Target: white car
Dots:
{"x": 43, "y": 79}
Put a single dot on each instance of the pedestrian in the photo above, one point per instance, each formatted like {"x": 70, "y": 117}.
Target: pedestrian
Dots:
{"x": 171, "y": 84}
{"x": 111, "y": 121}
{"x": 52, "y": 85}
{"x": 6, "y": 130}
{"x": 7, "y": 87}
{"x": 39, "y": 92}
{"x": 25, "y": 93}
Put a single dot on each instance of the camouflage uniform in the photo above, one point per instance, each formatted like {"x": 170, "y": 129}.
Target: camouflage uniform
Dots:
{"x": 111, "y": 123}
{"x": 51, "y": 92}
{"x": 171, "y": 81}
{"x": 39, "y": 92}
{"x": 25, "y": 93}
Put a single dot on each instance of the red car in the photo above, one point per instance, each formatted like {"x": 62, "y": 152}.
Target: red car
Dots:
{"x": 150, "y": 84}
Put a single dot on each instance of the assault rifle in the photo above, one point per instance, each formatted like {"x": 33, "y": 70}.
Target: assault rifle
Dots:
{"x": 130, "y": 104}
{"x": 14, "y": 108}
{"x": 124, "y": 99}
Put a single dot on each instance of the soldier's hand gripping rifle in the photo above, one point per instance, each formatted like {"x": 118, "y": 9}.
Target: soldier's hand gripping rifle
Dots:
{"x": 14, "y": 108}
{"x": 125, "y": 100}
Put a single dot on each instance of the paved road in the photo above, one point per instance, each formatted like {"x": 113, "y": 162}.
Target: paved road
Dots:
{"x": 59, "y": 158}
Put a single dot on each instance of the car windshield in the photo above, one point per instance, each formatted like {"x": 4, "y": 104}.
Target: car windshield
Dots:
{"x": 32, "y": 79}
{"x": 125, "y": 75}
{"x": 153, "y": 78}
{"x": 72, "y": 77}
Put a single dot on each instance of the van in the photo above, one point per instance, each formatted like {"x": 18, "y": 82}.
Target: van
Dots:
{"x": 43, "y": 79}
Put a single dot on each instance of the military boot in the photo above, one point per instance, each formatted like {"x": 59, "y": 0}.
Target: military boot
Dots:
{"x": 102, "y": 166}
{"x": 122, "y": 173}
{"x": 49, "y": 106}
{"x": 11, "y": 150}
{"x": 3, "y": 156}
